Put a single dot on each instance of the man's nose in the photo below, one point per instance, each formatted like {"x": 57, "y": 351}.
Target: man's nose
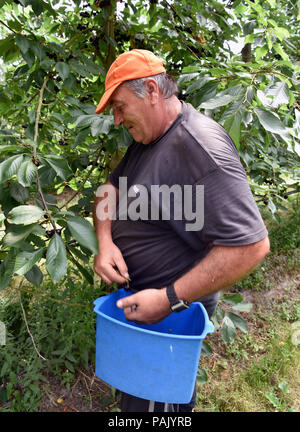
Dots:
{"x": 118, "y": 118}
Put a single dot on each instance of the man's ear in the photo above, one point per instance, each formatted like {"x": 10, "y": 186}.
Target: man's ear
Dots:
{"x": 152, "y": 89}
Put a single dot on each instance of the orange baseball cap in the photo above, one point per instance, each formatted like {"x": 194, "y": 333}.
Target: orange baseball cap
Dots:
{"x": 137, "y": 63}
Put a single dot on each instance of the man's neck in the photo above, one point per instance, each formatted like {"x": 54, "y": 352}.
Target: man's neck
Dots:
{"x": 171, "y": 108}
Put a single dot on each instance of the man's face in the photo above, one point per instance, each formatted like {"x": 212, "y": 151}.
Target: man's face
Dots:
{"x": 135, "y": 114}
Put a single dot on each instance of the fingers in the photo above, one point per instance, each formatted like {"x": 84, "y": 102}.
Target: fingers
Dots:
{"x": 127, "y": 303}
{"x": 132, "y": 310}
{"x": 111, "y": 267}
{"x": 148, "y": 306}
{"x": 121, "y": 265}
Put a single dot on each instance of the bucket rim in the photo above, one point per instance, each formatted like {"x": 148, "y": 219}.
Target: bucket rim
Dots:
{"x": 209, "y": 328}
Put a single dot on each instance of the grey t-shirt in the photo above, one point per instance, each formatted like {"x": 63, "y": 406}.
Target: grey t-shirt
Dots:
{"x": 194, "y": 151}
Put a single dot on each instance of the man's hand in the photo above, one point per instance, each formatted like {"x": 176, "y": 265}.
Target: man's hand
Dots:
{"x": 148, "y": 306}
{"x": 110, "y": 265}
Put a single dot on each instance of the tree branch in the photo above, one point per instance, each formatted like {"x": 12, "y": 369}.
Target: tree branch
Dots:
{"x": 3, "y": 23}
{"x": 38, "y": 115}
{"x": 26, "y": 323}
{"x": 36, "y": 134}
{"x": 84, "y": 181}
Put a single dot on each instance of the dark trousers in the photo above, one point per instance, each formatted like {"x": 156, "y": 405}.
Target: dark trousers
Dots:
{"x": 131, "y": 403}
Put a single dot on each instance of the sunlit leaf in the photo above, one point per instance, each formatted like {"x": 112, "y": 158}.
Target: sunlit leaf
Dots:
{"x": 25, "y": 214}
{"x": 83, "y": 232}
{"x": 56, "y": 258}
{"x": 26, "y": 260}
{"x": 9, "y": 167}
{"x": 238, "y": 321}
{"x": 228, "y": 331}
{"x": 26, "y": 173}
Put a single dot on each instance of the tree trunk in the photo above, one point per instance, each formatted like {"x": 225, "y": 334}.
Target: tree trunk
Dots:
{"x": 246, "y": 53}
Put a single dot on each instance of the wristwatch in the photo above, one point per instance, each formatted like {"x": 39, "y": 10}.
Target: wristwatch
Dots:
{"x": 176, "y": 304}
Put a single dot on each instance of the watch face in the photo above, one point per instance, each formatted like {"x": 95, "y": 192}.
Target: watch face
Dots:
{"x": 178, "y": 307}
{"x": 176, "y": 304}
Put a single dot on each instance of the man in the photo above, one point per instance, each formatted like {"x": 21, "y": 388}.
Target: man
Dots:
{"x": 173, "y": 145}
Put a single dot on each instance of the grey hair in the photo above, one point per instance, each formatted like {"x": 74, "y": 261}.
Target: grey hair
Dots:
{"x": 166, "y": 84}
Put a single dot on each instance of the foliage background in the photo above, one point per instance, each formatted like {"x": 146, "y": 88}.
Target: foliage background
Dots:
{"x": 54, "y": 57}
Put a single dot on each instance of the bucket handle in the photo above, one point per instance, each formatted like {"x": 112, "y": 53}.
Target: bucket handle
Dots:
{"x": 210, "y": 327}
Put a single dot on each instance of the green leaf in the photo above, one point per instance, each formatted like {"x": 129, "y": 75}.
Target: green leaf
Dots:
{"x": 242, "y": 307}
{"x": 280, "y": 94}
{"x": 60, "y": 166}
{"x": 79, "y": 68}
{"x": 93, "y": 67}
{"x": 281, "y": 33}
{"x": 239, "y": 322}
{"x": 197, "y": 85}
{"x": 80, "y": 138}
{"x": 17, "y": 234}
{"x": 9, "y": 167}
{"x": 240, "y": 9}
{"x": 18, "y": 192}
{"x": 85, "y": 273}
{"x": 269, "y": 121}
{"x": 7, "y": 269}
{"x": 206, "y": 349}
{"x": 217, "y": 101}
{"x": 56, "y": 258}
{"x": 283, "y": 387}
{"x": 26, "y": 173}
{"x": 261, "y": 52}
{"x": 63, "y": 70}
{"x": 25, "y": 214}
{"x": 272, "y": 3}
{"x": 233, "y": 126}
{"x": 124, "y": 137}
{"x": 8, "y": 147}
{"x": 23, "y": 43}
{"x": 34, "y": 276}
{"x": 207, "y": 92}
{"x": 83, "y": 232}
{"x": 250, "y": 38}
{"x": 85, "y": 120}
{"x": 274, "y": 96}
{"x": 101, "y": 125}
{"x": 233, "y": 298}
{"x": 37, "y": 6}
{"x": 271, "y": 206}
{"x": 201, "y": 376}
{"x": 278, "y": 48}
{"x": 273, "y": 399}
{"x": 26, "y": 260}
{"x": 228, "y": 330}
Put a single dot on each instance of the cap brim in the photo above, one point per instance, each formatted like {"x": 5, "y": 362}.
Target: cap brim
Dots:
{"x": 104, "y": 101}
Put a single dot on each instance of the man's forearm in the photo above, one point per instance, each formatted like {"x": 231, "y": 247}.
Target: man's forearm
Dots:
{"x": 102, "y": 227}
{"x": 109, "y": 264}
{"x": 222, "y": 267}
{"x": 103, "y": 210}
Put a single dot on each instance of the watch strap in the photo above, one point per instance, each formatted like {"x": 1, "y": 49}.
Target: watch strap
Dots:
{"x": 176, "y": 304}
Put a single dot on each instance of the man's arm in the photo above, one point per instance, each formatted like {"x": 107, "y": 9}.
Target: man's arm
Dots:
{"x": 110, "y": 258}
{"x": 222, "y": 267}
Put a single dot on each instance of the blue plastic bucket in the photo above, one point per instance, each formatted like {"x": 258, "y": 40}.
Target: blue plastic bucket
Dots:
{"x": 156, "y": 362}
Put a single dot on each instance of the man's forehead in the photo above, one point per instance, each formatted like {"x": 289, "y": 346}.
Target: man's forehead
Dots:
{"x": 119, "y": 95}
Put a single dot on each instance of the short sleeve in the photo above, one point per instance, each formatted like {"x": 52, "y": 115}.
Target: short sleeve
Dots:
{"x": 226, "y": 211}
